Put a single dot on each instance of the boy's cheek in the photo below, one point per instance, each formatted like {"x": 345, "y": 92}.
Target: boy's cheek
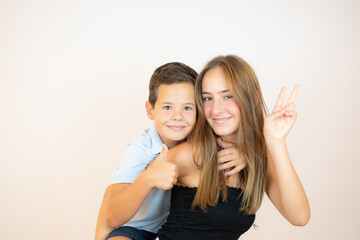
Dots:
{"x": 191, "y": 117}
{"x": 163, "y": 116}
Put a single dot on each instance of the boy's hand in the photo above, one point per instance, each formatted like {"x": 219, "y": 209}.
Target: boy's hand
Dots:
{"x": 162, "y": 174}
{"x": 230, "y": 158}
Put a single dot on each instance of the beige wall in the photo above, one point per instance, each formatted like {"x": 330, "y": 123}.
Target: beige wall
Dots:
{"x": 73, "y": 83}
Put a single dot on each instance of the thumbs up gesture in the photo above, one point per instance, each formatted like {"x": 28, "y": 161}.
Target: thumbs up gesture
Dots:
{"x": 162, "y": 174}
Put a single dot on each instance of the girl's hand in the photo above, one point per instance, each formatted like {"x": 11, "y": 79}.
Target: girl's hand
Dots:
{"x": 230, "y": 158}
{"x": 278, "y": 124}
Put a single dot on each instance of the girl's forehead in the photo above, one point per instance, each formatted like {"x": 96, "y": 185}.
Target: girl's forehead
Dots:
{"x": 215, "y": 80}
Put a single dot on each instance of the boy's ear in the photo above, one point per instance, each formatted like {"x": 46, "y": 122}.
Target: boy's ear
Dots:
{"x": 149, "y": 110}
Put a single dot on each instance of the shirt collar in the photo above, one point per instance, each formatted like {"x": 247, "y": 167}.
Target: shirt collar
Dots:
{"x": 156, "y": 142}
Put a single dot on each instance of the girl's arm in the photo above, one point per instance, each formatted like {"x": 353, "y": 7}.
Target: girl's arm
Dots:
{"x": 284, "y": 188}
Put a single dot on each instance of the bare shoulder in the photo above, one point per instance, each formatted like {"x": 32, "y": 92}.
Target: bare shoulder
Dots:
{"x": 182, "y": 151}
{"x": 183, "y": 148}
{"x": 182, "y": 156}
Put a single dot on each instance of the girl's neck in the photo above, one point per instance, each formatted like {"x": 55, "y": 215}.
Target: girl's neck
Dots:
{"x": 229, "y": 138}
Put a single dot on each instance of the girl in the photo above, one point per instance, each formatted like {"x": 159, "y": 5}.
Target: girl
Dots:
{"x": 205, "y": 204}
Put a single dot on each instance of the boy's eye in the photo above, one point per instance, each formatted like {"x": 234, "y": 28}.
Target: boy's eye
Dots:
{"x": 205, "y": 99}
{"x": 167, "y": 108}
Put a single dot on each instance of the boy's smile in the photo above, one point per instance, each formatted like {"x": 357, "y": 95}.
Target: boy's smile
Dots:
{"x": 176, "y": 128}
{"x": 174, "y": 112}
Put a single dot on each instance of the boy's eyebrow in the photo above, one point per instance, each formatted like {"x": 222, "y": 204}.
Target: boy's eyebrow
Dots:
{"x": 170, "y": 103}
{"x": 223, "y": 91}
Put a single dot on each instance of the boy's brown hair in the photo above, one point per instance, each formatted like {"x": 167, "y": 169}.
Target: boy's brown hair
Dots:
{"x": 170, "y": 73}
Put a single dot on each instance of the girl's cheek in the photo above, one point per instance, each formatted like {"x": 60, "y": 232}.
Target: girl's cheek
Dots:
{"x": 233, "y": 106}
{"x": 206, "y": 108}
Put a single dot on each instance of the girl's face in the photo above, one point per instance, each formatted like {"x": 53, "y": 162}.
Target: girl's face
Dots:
{"x": 220, "y": 108}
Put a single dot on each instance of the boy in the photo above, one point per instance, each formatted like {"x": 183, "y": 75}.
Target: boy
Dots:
{"x": 137, "y": 201}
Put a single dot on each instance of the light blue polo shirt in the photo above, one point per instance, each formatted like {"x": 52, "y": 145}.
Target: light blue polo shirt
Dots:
{"x": 139, "y": 153}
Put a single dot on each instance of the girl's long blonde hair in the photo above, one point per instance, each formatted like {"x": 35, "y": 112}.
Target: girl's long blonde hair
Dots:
{"x": 245, "y": 89}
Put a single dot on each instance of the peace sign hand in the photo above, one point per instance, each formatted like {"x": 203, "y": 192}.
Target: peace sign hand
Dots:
{"x": 278, "y": 124}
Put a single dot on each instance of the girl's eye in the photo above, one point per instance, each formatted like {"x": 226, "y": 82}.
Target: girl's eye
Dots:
{"x": 167, "y": 108}
{"x": 205, "y": 99}
{"x": 188, "y": 108}
{"x": 228, "y": 97}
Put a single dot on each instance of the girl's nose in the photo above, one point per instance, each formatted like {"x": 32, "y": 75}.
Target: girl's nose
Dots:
{"x": 217, "y": 107}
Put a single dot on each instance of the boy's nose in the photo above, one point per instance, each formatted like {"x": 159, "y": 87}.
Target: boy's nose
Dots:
{"x": 177, "y": 115}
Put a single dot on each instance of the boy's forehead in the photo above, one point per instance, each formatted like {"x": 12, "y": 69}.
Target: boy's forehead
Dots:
{"x": 179, "y": 92}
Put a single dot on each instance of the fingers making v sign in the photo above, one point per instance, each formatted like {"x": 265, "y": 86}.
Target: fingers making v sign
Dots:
{"x": 282, "y": 118}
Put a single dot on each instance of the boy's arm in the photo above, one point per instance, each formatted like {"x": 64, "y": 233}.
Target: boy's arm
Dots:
{"x": 125, "y": 201}
{"x": 102, "y": 227}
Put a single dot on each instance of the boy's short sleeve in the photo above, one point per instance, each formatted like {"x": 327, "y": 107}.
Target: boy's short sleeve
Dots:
{"x": 137, "y": 156}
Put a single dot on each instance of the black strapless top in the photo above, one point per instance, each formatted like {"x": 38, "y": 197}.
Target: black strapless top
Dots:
{"x": 223, "y": 221}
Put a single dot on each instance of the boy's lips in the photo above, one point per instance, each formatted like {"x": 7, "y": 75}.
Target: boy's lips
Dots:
{"x": 176, "y": 127}
{"x": 222, "y": 120}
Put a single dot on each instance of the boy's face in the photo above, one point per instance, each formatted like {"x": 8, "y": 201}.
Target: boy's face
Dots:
{"x": 174, "y": 112}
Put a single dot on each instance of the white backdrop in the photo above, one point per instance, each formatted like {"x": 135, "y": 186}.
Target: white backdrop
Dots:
{"x": 73, "y": 84}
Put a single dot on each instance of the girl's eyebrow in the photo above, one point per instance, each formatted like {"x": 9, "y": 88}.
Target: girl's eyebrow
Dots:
{"x": 223, "y": 91}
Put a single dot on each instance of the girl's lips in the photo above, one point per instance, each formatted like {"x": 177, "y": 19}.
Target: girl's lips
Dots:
{"x": 221, "y": 120}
